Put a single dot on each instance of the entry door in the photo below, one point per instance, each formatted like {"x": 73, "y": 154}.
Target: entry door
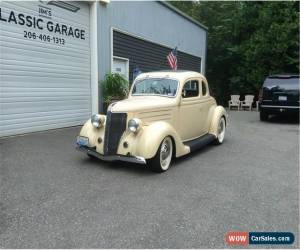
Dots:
{"x": 121, "y": 66}
{"x": 190, "y": 111}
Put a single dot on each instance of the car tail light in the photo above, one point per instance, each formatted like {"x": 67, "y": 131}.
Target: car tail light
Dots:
{"x": 260, "y": 95}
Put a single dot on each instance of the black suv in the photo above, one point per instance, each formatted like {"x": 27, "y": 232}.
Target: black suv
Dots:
{"x": 279, "y": 94}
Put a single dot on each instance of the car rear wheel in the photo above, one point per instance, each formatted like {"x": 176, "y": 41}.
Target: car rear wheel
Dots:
{"x": 221, "y": 131}
{"x": 263, "y": 116}
{"x": 163, "y": 157}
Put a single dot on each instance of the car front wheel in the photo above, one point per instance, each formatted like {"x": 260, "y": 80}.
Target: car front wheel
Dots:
{"x": 162, "y": 159}
{"x": 221, "y": 131}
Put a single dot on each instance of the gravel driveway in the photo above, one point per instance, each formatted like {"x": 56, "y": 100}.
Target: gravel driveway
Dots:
{"x": 55, "y": 197}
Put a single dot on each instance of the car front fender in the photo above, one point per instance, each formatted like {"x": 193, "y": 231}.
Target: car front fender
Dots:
{"x": 89, "y": 131}
{"x": 147, "y": 141}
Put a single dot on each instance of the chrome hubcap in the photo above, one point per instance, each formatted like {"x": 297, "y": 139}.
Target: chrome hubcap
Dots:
{"x": 166, "y": 153}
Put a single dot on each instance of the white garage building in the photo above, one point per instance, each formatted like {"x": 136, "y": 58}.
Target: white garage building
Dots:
{"x": 53, "y": 54}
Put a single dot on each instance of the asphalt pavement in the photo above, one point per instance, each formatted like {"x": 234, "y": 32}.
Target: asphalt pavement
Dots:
{"x": 52, "y": 196}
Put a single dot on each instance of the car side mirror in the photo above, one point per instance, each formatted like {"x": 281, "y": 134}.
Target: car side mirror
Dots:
{"x": 183, "y": 93}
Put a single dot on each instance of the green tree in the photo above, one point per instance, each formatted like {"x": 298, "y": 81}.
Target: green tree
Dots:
{"x": 247, "y": 41}
{"x": 271, "y": 46}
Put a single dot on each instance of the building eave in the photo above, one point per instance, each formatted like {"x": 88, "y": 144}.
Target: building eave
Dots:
{"x": 179, "y": 12}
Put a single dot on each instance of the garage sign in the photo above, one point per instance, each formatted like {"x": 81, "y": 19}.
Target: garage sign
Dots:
{"x": 42, "y": 26}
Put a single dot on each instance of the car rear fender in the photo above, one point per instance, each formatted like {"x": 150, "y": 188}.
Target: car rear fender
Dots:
{"x": 217, "y": 114}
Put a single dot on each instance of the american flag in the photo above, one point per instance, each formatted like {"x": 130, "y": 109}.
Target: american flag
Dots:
{"x": 172, "y": 59}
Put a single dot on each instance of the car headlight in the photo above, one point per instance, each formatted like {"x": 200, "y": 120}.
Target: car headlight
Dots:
{"x": 97, "y": 120}
{"x": 134, "y": 125}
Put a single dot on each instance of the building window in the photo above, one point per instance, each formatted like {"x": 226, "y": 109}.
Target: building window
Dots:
{"x": 121, "y": 66}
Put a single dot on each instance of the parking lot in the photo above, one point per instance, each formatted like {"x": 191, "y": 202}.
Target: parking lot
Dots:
{"x": 55, "y": 197}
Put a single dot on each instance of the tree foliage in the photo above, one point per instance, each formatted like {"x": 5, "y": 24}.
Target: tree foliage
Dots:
{"x": 247, "y": 41}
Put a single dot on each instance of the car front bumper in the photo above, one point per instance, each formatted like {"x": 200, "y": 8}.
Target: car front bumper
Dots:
{"x": 93, "y": 152}
{"x": 278, "y": 109}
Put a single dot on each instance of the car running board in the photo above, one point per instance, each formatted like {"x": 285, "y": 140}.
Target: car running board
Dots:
{"x": 200, "y": 142}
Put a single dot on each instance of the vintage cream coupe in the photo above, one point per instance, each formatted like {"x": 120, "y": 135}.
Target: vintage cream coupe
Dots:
{"x": 167, "y": 114}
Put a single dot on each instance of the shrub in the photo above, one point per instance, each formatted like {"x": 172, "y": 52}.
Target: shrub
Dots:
{"x": 114, "y": 86}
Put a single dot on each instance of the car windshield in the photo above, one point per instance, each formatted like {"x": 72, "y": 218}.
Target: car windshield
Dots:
{"x": 155, "y": 86}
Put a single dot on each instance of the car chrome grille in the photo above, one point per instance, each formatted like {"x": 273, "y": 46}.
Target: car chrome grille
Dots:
{"x": 114, "y": 129}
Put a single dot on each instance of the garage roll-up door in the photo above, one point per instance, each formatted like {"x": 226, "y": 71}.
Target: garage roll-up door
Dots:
{"x": 44, "y": 65}
{"x": 149, "y": 56}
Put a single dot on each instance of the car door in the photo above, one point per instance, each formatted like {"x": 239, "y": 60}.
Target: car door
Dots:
{"x": 190, "y": 110}
{"x": 206, "y": 104}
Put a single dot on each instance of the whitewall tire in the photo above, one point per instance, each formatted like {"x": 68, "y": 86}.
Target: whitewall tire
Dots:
{"x": 221, "y": 131}
{"x": 163, "y": 157}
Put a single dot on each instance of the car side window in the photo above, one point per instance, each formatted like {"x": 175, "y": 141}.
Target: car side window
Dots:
{"x": 190, "y": 89}
{"x": 204, "y": 88}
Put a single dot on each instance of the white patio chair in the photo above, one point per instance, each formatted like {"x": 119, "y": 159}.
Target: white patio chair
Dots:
{"x": 247, "y": 102}
{"x": 234, "y": 102}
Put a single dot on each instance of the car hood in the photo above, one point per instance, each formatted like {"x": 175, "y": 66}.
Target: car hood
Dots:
{"x": 141, "y": 103}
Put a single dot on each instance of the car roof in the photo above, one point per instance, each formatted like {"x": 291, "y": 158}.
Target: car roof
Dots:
{"x": 178, "y": 74}
{"x": 284, "y": 76}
